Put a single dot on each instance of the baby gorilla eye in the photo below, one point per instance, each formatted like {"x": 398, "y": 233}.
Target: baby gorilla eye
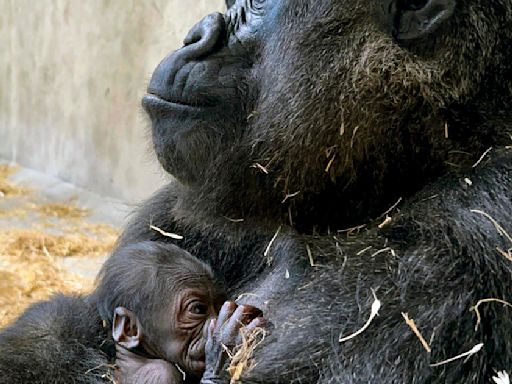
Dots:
{"x": 198, "y": 308}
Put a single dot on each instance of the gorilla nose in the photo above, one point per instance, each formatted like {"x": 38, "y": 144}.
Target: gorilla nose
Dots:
{"x": 203, "y": 39}
{"x": 206, "y": 34}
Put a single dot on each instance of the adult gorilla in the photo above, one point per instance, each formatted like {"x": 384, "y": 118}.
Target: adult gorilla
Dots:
{"x": 304, "y": 117}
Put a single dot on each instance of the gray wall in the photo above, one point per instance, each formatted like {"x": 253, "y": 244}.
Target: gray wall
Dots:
{"x": 71, "y": 76}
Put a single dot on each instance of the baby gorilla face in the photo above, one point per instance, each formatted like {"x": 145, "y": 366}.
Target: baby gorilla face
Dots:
{"x": 185, "y": 335}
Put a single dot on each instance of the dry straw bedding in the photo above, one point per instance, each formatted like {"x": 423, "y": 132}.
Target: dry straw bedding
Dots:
{"x": 29, "y": 257}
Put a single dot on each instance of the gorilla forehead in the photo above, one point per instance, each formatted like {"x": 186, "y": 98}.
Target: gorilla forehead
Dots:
{"x": 323, "y": 93}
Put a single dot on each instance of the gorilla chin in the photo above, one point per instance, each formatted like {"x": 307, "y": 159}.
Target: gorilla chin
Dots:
{"x": 183, "y": 139}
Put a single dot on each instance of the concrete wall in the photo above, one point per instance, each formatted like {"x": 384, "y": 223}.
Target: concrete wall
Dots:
{"x": 71, "y": 76}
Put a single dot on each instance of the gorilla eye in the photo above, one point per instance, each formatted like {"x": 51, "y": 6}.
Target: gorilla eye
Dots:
{"x": 197, "y": 308}
{"x": 256, "y": 4}
{"x": 414, "y": 19}
{"x": 414, "y": 5}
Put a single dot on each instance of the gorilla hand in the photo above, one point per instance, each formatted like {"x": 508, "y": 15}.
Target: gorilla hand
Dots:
{"x": 224, "y": 334}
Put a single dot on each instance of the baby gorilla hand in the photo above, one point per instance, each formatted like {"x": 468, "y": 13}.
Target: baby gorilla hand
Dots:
{"x": 223, "y": 335}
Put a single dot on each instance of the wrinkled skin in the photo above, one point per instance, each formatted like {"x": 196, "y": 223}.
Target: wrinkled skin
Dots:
{"x": 209, "y": 357}
{"x": 313, "y": 116}
{"x": 161, "y": 303}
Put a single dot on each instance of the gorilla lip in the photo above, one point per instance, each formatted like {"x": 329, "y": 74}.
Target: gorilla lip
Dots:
{"x": 152, "y": 103}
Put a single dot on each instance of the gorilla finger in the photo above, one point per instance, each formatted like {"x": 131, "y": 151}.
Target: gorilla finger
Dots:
{"x": 211, "y": 328}
{"x": 231, "y": 330}
{"x": 259, "y": 322}
{"x": 225, "y": 313}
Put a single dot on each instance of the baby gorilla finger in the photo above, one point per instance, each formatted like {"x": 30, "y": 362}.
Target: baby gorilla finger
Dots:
{"x": 230, "y": 332}
{"x": 225, "y": 314}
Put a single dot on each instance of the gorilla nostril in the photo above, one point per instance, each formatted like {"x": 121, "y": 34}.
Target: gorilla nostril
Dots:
{"x": 193, "y": 37}
{"x": 235, "y": 21}
{"x": 205, "y": 36}
{"x": 243, "y": 17}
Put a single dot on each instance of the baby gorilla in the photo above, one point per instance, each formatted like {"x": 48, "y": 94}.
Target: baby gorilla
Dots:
{"x": 163, "y": 305}
{"x": 158, "y": 302}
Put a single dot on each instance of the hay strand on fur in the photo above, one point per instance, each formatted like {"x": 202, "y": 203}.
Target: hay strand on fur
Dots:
{"x": 266, "y": 253}
{"x": 166, "y": 234}
{"x": 410, "y": 322}
{"x": 374, "y": 312}
{"x": 241, "y": 356}
{"x": 489, "y": 300}
{"x": 498, "y": 227}
{"x": 482, "y": 157}
{"x": 469, "y": 353}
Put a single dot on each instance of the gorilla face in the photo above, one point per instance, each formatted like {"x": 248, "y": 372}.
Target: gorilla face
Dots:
{"x": 198, "y": 96}
{"x": 326, "y": 97}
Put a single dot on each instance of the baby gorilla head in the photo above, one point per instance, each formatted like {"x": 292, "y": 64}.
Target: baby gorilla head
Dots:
{"x": 161, "y": 299}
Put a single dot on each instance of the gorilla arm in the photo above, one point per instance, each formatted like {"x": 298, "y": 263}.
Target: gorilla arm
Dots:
{"x": 59, "y": 341}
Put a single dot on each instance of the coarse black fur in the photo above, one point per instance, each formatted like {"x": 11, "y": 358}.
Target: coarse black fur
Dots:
{"x": 287, "y": 121}
{"x": 59, "y": 341}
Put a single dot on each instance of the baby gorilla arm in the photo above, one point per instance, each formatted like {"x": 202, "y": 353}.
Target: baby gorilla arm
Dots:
{"x": 224, "y": 334}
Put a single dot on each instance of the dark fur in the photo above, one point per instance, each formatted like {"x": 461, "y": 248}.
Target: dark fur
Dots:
{"x": 348, "y": 118}
{"x": 276, "y": 90}
{"x": 59, "y": 341}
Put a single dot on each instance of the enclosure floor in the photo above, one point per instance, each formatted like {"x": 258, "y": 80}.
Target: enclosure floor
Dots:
{"x": 54, "y": 237}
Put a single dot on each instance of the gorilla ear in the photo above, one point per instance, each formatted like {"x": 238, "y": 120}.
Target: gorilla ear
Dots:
{"x": 230, "y": 3}
{"x": 417, "y": 18}
{"x": 126, "y": 329}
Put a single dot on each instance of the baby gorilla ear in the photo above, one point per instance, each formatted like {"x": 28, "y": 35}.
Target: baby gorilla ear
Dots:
{"x": 417, "y": 18}
{"x": 126, "y": 329}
